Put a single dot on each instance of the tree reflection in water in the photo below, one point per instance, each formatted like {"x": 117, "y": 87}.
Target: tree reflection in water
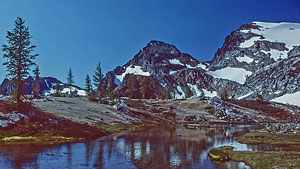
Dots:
{"x": 154, "y": 147}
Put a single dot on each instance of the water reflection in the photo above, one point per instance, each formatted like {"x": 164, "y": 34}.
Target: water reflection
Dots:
{"x": 154, "y": 147}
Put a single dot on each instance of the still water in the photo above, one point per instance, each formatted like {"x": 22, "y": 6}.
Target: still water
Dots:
{"x": 159, "y": 147}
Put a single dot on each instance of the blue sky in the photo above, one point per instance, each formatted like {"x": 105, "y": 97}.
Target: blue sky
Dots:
{"x": 80, "y": 33}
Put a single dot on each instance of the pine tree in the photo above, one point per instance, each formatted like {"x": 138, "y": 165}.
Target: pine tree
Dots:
{"x": 36, "y": 86}
{"x": 224, "y": 94}
{"x": 98, "y": 80}
{"x": 188, "y": 93}
{"x": 110, "y": 89}
{"x": 18, "y": 53}
{"x": 168, "y": 94}
{"x": 57, "y": 88}
{"x": 88, "y": 85}
{"x": 70, "y": 80}
{"x": 131, "y": 83}
{"x": 144, "y": 87}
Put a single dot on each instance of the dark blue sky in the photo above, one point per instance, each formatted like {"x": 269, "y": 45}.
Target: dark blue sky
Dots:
{"x": 80, "y": 33}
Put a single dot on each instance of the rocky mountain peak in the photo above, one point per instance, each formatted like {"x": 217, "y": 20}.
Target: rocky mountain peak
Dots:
{"x": 159, "y": 47}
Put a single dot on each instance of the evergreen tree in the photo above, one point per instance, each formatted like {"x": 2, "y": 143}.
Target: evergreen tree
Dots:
{"x": 110, "y": 89}
{"x": 57, "y": 88}
{"x": 168, "y": 94}
{"x": 88, "y": 86}
{"x": 188, "y": 93}
{"x": 70, "y": 80}
{"x": 131, "y": 83}
{"x": 224, "y": 94}
{"x": 18, "y": 53}
{"x": 98, "y": 80}
{"x": 144, "y": 87}
{"x": 36, "y": 86}
{"x": 199, "y": 87}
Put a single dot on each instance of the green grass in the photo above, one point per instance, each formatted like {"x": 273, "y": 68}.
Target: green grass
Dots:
{"x": 119, "y": 127}
{"x": 263, "y": 159}
{"x": 275, "y": 139}
{"x": 38, "y": 139}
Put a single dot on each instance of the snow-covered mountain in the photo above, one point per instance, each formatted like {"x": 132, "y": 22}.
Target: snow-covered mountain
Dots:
{"x": 262, "y": 56}
{"x": 258, "y": 59}
{"x": 47, "y": 86}
{"x": 167, "y": 69}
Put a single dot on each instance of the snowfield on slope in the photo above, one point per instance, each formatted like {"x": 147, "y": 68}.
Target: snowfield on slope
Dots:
{"x": 293, "y": 99}
{"x": 284, "y": 32}
{"x": 79, "y": 92}
{"x": 249, "y": 43}
{"x": 245, "y": 59}
{"x": 176, "y": 62}
{"x": 135, "y": 70}
{"x": 231, "y": 73}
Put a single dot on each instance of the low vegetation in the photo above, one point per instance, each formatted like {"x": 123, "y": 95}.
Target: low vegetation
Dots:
{"x": 45, "y": 139}
{"x": 289, "y": 157}
{"x": 259, "y": 160}
{"x": 276, "y": 139}
{"x": 265, "y": 108}
{"x": 119, "y": 127}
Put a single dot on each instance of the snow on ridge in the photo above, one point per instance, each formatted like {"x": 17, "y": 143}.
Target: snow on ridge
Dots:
{"x": 245, "y": 30}
{"x": 176, "y": 62}
{"x": 231, "y": 73}
{"x": 293, "y": 99}
{"x": 135, "y": 70}
{"x": 246, "y": 59}
{"x": 250, "y": 42}
{"x": 284, "y": 32}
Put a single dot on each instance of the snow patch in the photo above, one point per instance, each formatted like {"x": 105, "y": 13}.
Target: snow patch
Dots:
{"x": 176, "y": 62}
{"x": 276, "y": 54}
{"x": 195, "y": 89}
{"x": 245, "y": 30}
{"x": 244, "y": 96}
{"x": 284, "y": 32}
{"x": 209, "y": 93}
{"x": 245, "y": 59}
{"x": 172, "y": 72}
{"x": 177, "y": 95}
{"x": 79, "y": 92}
{"x": 249, "y": 43}
{"x": 293, "y": 99}
{"x": 231, "y": 73}
{"x": 135, "y": 70}
{"x": 200, "y": 65}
